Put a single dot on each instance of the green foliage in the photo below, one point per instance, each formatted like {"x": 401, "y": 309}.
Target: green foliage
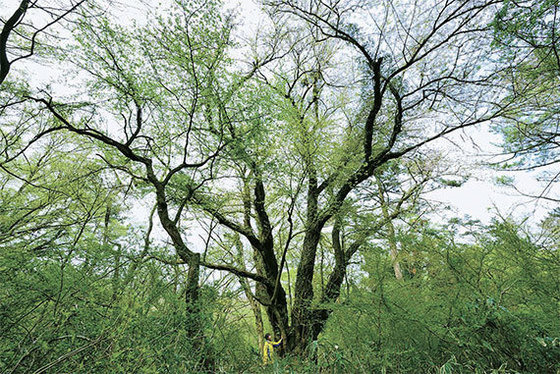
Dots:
{"x": 476, "y": 307}
{"x": 85, "y": 292}
{"x": 525, "y": 37}
{"x": 67, "y": 315}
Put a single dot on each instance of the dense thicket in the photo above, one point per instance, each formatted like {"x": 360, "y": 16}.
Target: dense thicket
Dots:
{"x": 485, "y": 299}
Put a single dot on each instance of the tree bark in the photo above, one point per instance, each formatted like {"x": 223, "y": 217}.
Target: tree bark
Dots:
{"x": 342, "y": 257}
{"x": 302, "y": 313}
{"x": 10, "y": 24}
{"x": 273, "y": 295}
{"x": 391, "y": 237}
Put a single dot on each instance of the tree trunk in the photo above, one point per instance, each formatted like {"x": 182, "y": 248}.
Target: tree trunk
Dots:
{"x": 116, "y": 255}
{"x": 342, "y": 256}
{"x": 194, "y": 321}
{"x": 9, "y": 26}
{"x": 274, "y": 300}
{"x": 302, "y": 313}
{"x": 274, "y": 296}
{"x": 391, "y": 237}
{"x": 191, "y": 294}
{"x": 394, "y": 250}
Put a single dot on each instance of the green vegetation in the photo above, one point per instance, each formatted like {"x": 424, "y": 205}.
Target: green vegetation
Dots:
{"x": 178, "y": 185}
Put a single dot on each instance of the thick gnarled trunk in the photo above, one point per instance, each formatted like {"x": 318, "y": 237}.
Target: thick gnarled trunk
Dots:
{"x": 302, "y": 313}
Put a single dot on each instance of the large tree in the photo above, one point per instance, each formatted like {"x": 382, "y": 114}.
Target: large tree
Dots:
{"x": 414, "y": 76}
{"x": 278, "y": 151}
